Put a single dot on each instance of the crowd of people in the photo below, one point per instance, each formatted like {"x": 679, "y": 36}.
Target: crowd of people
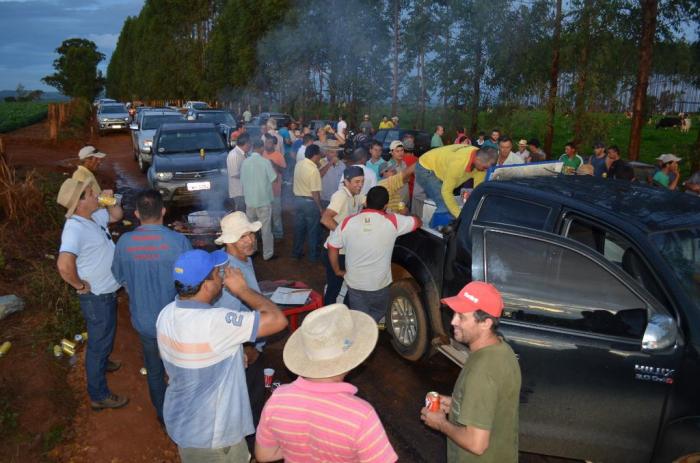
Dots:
{"x": 203, "y": 321}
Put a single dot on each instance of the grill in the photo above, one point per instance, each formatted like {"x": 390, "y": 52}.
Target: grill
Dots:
{"x": 198, "y": 175}
{"x": 201, "y": 227}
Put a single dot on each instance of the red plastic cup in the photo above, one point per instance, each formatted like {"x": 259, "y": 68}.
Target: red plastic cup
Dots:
{"x": 269, "y": 373}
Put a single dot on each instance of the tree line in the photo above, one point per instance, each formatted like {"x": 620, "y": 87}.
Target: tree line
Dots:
{"x": 355, "y": 55}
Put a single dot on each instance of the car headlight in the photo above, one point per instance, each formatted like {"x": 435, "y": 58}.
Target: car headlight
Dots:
{"x": 148, "y": 143}
{"x": 165, "y": 176}
{"x": 104, "y": 119}
{"x": 126, "y": 118}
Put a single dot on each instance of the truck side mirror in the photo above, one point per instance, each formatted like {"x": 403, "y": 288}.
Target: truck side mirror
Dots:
{"x": 661, "y": 332}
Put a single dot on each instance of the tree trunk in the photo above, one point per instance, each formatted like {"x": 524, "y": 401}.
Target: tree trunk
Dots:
{"x": 395, "y": 66}
{"x": 581, "y": 97}
{"x": 553, "y": 82}
{"x": 421, "y": 77}
{"x": 476, "y": 85}
{"x": 646, "y": 46}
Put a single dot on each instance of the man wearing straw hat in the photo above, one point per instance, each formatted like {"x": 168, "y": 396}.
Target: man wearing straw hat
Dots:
{"x": 318, "y": 417}
{"x": 85, "y": 263}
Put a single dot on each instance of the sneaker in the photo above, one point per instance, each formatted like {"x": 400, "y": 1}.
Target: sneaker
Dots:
{"x": 111, "y": 401}
{"x": 113, "y": 366}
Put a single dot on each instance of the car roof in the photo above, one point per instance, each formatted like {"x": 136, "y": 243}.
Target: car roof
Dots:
{"x": 161, "y": 112}
{"x": 650, "y": 208}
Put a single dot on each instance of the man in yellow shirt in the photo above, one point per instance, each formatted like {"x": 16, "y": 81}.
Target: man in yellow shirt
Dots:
{"x": 443, "y": 169}
{"x": 394, "y": 181}
{"x": 90, "y": 159}
{"x": 386, "y": 123}
{"x": 307, "y": 204}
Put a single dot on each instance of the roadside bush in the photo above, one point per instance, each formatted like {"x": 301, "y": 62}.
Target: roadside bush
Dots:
{"x": 79, "y": 119}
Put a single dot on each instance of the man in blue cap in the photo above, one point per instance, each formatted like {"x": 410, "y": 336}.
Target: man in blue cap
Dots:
{"x": 207, "y": 410}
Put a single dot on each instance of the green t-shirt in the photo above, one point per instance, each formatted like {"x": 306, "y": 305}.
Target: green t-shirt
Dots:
{"x": 436, "y": 141}
{"x": 661, "y": 178}
{"x": 571, "y": 164}
{"x": 486, "y": 396}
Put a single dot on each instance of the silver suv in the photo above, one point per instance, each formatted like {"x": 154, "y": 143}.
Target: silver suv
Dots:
{"x": 144, "y": 128}
{"x": 111, "y": 117}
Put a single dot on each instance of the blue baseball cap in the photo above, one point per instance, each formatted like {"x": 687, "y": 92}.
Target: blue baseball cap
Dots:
{"x": 192, "y": 267}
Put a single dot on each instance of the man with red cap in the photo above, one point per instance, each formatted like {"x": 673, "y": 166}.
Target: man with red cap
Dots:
{"x": 480, "y": 419}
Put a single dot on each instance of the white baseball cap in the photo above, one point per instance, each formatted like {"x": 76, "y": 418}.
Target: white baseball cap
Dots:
{"x": 668, "y": 158}
{"x": 88, "y": 151}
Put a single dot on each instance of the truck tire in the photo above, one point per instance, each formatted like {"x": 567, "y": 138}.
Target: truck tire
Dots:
{"x": 406, "y": 321}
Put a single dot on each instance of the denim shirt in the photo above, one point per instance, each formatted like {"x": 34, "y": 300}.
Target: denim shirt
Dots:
{"x": 143, "y": 263}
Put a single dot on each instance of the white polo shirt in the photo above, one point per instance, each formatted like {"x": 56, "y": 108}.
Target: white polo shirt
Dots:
{"x": 344, "y": 204}
{"x": 368, "y": 239}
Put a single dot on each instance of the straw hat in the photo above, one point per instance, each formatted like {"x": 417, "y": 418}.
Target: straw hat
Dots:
{"x": 235, "y": 225}
{"x": 69, "y": 194}
{"x": 332, "y": 340}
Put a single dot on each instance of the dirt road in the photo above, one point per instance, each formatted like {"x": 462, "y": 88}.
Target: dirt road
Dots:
{"x": 396, "y": 388}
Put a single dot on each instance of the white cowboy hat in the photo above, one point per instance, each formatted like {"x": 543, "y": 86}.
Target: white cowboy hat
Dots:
{"x": 331, "y": 340}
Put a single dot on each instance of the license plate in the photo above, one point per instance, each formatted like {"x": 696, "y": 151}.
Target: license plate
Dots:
{"x": 117, "y": 126}
{"x": 196, "y": 186}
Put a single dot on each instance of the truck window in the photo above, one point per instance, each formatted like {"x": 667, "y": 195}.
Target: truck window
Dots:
{"x": 548, "y": 284}
{"x": 512, "y": 211}
{"x": 617, "y": 250}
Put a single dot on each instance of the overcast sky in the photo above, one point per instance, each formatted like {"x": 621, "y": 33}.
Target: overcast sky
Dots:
{"x": 30, "y": 32}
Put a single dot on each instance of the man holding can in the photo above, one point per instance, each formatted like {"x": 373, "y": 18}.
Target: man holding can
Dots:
{"x": 84, "y": 262}
{"x": 90, "y": 159}
{"x": 480, "y": 419}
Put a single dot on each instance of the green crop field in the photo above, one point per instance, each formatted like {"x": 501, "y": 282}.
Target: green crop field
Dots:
{"x": 20, "y": 114}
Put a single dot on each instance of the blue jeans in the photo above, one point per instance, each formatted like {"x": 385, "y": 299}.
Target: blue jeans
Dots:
{"x": 100, "y": 313}
{"x": 307, "y": 227}
{"x": 277, "y": 228}
{"x": 156, "y": 372}
{"x": 432, "y": 187}
{"x": 333, "y": 281}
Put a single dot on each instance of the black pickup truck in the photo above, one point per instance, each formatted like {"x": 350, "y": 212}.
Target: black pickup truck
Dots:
{"x": 601, "y": 285}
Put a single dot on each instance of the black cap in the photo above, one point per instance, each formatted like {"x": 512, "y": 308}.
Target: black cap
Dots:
{"x": 353, "y": 171}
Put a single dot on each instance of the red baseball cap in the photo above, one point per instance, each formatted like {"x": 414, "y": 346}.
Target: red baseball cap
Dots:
{"x": 477, "y": 295}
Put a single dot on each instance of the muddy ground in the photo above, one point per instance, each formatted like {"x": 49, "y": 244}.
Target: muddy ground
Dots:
{"x": 54, "y": 419}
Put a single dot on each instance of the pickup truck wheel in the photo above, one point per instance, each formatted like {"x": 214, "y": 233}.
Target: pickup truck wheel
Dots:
{"x": 406, "y": 321}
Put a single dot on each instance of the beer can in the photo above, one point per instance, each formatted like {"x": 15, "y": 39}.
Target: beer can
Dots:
{"x": 84, "y": 335}
{"x": 5, "y": 348}
{"x": 78, "y": 338}
{"x": 400, "y": 205}
{"x": 106, "y": 201}
{"x": 432, "y": 401}
{"x": 57, "y": 351}
{"x": 143, "y": 371}
{"x": 68, "y": 347}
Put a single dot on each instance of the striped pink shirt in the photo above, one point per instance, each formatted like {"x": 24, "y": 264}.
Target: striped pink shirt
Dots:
{"x": 323, "y": 422}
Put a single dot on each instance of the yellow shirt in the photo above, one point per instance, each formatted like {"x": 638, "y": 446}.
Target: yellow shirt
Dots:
{"x": 393, "y": 185}
{"x": 453, "y": 165}
{"x": 386, "y": 125}
{"x": 85, "y": 175}
{"x": 307, "y": 178}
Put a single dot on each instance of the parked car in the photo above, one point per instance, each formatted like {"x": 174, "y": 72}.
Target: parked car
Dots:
{"x": 99, "y": 101}
{"x": 223, "y": 119}
{"x": 386, "y": 136}
{"x": 189, "y": 164}
{"x": 111, "y": 117}
{"x": 316, "y": 124}
{"x": 144, "y": 128}
{"x": 281, "y": 119}
{"x": 196, "y": 105}
{"x": 601, "y": 285}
